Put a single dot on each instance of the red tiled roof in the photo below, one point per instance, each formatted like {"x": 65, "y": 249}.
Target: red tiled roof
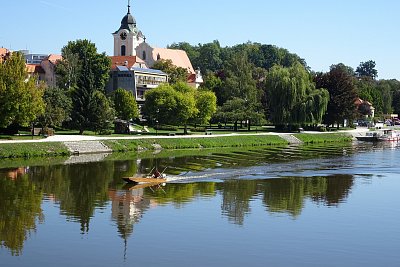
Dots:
{"x": 192, "y": 78}
{"x": 53, "y": 58}
{"x": 34, "y": 68}
{"x": 127, "y": 61}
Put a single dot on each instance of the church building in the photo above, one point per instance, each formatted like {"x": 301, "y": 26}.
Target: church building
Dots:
{"x": 132, "y": 51}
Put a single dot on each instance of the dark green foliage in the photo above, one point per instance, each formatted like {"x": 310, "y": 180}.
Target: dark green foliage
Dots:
{"x": 84, "y": 74}
{"x": 102, "y": 114}
{"x": 58, "y": 107}
{"x": 343, "y": 94}
{"x": 367, "y": 70}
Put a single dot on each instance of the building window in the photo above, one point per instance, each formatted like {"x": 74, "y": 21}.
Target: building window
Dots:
{"x": 123, "y": 50}
{"x": 158, "y": 57}
{"x": 144, "y": 55}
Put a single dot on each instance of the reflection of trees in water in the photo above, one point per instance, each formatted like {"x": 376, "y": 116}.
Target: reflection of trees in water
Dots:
{"x": 181, "y": 194}
{"x": 79, "y": 188}
{"x": 337, "y": 189}
{"x": 288, "y": 194}
{"x": 236, "y": 197}
{"x": 285, "y": 195}
{"x": 20, "y": 209}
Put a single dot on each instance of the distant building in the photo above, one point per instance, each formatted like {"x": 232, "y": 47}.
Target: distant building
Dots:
{"x": 35, "y": 69}
{"x": 367, "y": 105}
{"x": 130, "y": 41}
{"x": 48, "y": 64}
{"x": 33, "y": 58}
{"x": 131, "y": 73}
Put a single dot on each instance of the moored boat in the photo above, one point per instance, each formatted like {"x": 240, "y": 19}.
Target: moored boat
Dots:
{"x": 384, "y": 135}
{"x": 369, "y": 137}
{"x": 389, "y": 136}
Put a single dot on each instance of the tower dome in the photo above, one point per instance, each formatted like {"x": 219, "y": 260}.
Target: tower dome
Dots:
{"x": 128, "y": 22}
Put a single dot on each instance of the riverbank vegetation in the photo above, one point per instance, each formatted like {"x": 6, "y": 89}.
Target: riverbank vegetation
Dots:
{"x": 30, "y": 150}
{"x": 323, "y": 138}
{"x": 50, "y": 149}
{"x": 248, "y": 84}
{"x": 194, "y": 143}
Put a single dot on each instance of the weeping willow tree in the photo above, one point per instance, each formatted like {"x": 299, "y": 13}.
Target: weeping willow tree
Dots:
{"x": 294, "y": 100}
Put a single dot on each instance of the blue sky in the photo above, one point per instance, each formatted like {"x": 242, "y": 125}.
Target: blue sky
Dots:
{"x": 323, "y": 32}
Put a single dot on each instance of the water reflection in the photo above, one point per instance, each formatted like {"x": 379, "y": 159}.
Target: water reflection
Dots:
{"x": 20, "y": 208}
{"x": 282, "y": 178}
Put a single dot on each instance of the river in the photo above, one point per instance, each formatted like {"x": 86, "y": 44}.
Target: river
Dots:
{"x": 305, "y": 205}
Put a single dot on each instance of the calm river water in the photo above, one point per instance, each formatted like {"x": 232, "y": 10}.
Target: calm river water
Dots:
{"x": 330, "y": 205}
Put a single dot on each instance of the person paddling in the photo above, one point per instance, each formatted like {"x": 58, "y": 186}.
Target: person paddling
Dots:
{"x": 156, "y": 174}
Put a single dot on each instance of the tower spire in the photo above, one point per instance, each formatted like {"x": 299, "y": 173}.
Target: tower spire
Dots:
{"x": 129, "y": 6}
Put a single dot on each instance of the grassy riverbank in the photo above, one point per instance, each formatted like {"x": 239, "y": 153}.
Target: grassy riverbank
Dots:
{"x": 323, "y": 138}
{"x": 51, "y": 149}
{"x": 194, "y": 143}
{"x": 30, "y": 150}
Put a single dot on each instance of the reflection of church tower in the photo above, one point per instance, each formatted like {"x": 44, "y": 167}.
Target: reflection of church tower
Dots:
{"x": 127, "y": 37}
{"x": 127, "y": 209}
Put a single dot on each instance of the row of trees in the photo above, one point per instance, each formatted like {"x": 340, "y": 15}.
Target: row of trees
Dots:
{"x": 254, "y": 82}
{"x": 78, "y": 101}
{"x": 249, "y": 82}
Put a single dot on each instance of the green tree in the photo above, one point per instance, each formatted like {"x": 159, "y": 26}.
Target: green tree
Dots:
{"x": 90, "y": 75}
{"x": 206, "y": 104}
{"x": 342, "y": 91}
{"x": 175, "y": 74}
{"x": 294, "y": 100}
{"x": 367, "y": 70}
{"x": 102, "y": 113}
{"x": 239, "y": 81}
{"x": 387, "y": 97}
{"x": 395, "y": 89}
{"x": 214, "y": 83}
{"x": 210, "y": 57}
{"x": 68, "y": 69}
{"x": 169, "y": 104}
{"x": 20, "y": 96}
{"x": 125, "y": 105}
{"x": 233, "y": 110}
{"x": 58, "y": 107}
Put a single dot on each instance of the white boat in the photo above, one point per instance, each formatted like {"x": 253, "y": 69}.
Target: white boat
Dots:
{"x": 389, "y": 136}
{"x": 380, "y": 136}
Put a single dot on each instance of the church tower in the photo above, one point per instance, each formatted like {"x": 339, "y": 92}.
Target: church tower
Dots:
{"x": 128, "y": 36}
